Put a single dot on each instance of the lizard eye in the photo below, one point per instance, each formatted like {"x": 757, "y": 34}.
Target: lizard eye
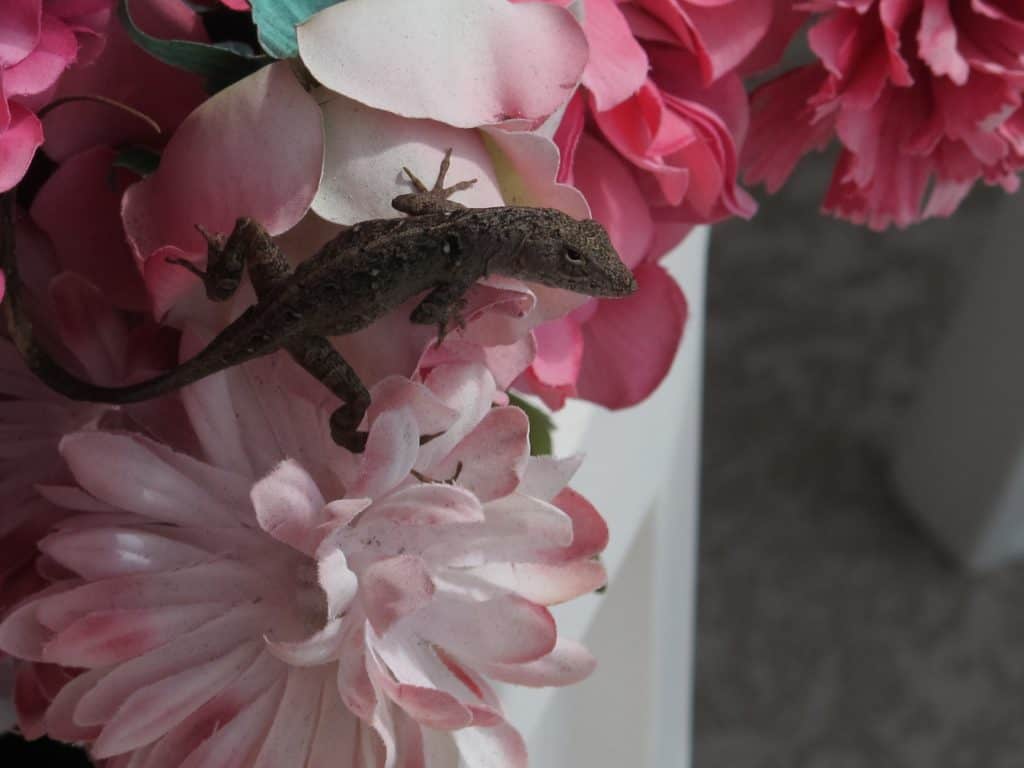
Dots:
{"x": 573, "y": 256}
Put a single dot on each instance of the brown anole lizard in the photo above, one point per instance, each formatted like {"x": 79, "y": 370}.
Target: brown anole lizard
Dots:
{"x": 441, "y": 248}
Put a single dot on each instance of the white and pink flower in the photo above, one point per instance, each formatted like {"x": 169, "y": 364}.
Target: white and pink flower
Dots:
{"x": 275, "y": 599}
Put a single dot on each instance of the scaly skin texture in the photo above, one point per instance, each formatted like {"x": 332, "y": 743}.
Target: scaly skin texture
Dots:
{"x": 442, "y": 248}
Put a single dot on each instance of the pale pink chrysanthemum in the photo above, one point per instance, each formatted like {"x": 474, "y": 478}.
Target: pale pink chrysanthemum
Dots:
{"x": 275, "y": 600}
{"x": 923, "y": 95}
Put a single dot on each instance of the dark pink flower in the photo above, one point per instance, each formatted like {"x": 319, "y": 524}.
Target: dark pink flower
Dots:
{"x": 923, "y": 95}
{"x": 125, "y": 73}
{"x": 39, "y": 40}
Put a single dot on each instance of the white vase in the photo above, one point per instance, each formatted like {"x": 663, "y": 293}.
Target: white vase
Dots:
{"x": 641, "y": 471}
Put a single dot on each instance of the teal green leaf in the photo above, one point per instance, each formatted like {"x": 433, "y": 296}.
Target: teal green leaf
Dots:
{"x": 140, "y": 160}
{"x": 220, "y": 65}
{"x": 541, "y": 426}
{"x": 276, "y": 21}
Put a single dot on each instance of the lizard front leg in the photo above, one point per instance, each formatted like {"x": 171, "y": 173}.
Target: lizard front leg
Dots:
{"x": 316, "y": 355}
{"x": 249, "y": 244}
{"x": 435, "y": 199}
{"x": 443, "y": 307}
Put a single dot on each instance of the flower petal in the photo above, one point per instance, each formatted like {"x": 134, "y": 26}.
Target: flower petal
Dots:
{"x": 18, "y": 145}
{"x": 492, "y": 457}
{"x": 20, "y": 22}
{"x": 289, "y": 506}
{"x": 142, "y": 476}
{"x": 630, "y": 343}
{"x": 367, "y": 149}
{"x": 567, "y": 664}
{"x": 225, "y": 161}
{"x": 79, "y": 208}
{"x": 506, "y": 629}
{"x": 515, "y": 60}
{"x": 394, "y": 588}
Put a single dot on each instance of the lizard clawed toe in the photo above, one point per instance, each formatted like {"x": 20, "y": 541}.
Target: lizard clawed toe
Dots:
{"x": 420, "y": 186}
{"x": 214, "y": 241}
{"x": 439, "y": 189}
{"x": 435, "y": 199}
{"x": 179, "y": 262}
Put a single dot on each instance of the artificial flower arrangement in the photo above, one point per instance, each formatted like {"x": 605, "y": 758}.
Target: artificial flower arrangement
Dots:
{"x": 208, "y": 578}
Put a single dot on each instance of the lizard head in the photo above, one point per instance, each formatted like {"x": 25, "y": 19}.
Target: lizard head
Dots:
{"x": 560, "y": 251}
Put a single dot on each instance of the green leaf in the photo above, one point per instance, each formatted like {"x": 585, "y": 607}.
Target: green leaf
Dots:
{"x": 140, "y": 160}
{"x": 220, "y": 65}
{"x": 541, "y": 426}
{"x": 277, "y": 19}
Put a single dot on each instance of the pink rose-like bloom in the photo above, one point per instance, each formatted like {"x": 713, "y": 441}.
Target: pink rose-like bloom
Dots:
{"x": 924, "y": 97}
{"x": 274, "y": 600}
{"x": 346, "y": 148}
{"x": 652, "y": 144}
{"x": 39, "y": 40}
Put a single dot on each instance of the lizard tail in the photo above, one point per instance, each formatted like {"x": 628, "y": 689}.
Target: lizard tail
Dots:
{"x": 41, "y": 363}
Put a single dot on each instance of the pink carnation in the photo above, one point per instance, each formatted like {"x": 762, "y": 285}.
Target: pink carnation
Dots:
{"x": 924, "y": 97}
{"x": 273, "y": 598}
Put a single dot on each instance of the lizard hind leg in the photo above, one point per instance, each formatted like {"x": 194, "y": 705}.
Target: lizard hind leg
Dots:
{"x": 325, "y": 363}
{"x": 249, "y": 244}
{"x": 435, "y": 199}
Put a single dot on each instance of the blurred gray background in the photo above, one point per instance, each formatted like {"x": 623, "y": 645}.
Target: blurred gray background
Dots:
{"x": 831, "y": 631}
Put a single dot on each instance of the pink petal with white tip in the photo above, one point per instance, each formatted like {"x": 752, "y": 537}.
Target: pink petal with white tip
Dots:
{"x": 544, "y": 584}
{"x": 209, "y": 643}
{"x": 338, "y": 582}
{"x": 104, "y": 552}
{"x": 317, "y": 649}
{"x": 224, "y": 580}
{"x": 290, "y": 736}
{"x": 545, "y": 476}
{"x": 589, "y": 529}
{"x": 265, "y": 675}
{"x": 289, "y": 507}
{"x": 154, "y": 709}
{"x": 394, "y": 588}
{"x": 103, "y": 638}
{"x": 469, "y": 395}
{"x": 505, "y": 629}
{"x": 336, "y": 737}
{"x": 390, "y": 454}
{"x": 145, "y": 477}
{"x": 432, "y": 416}
{"x": 568, "y": 663}
{"x": 493, "y": 456}
{"x": 516, "y": 60}
{"x": 234, "y": 744}
{"x": 499, "y": 746}
{"x": 60, "y": 717}
{"x": 429, "y": 706}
